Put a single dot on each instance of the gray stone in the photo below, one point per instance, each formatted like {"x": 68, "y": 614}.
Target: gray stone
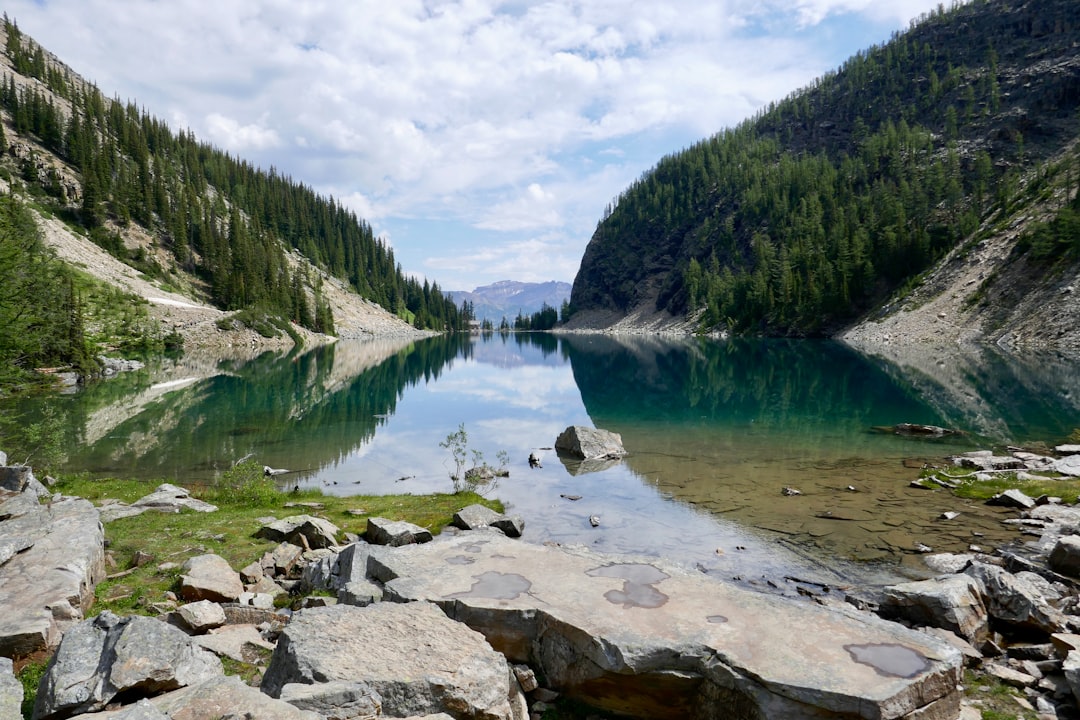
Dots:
{"x": 57, "y": 556}
{"x": 15, "y": 478}
{"x": 948, "y": 563}
{"x": 243, "y": 643}
{"x": 951, "y": 602}
{"x": 11, "y": 691}
{"x": 263, "y": 601}
{"x": 395, "y": 533}
{"x": 118, "y": 511}
{"x": 336, "y": 700}
{"x": 3, "y": 458}
{"x": 304, "y": 530}
{"x": 588, "y": 443}
{"x": 1068, "y": 465}
{"x": 252, "y": 573}
{"x": 282, "y": 559}
{"x": 1067, "y": 449}
{"x": 1071, "y": 668}
{"x": 360, "y": 593}
{"x": 418, "y": 660}
{"x": 108, "y": 656}
{"x": 171, "y": 498}
{"x": 209, "y": 577}
{"x": 512, "y": 526}
{"x": 1009, "y": 676}
{"x": 474, "y": 516}
{"x": 200, "y": 617}
{"x": 1015, "y": 601}
{"x": 220, "y": 698}
{"x": 639, "y": 636}
{"x": 265, "y": 586}
{"x": 1012, "y": 498}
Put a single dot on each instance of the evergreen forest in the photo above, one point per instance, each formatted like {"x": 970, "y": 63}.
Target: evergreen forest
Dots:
{"x": 823, "y": 205}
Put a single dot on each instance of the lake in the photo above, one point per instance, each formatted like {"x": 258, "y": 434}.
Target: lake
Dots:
{"x": 715, "y": 431}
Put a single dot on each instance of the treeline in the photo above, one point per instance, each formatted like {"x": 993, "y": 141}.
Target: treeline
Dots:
{"x": 41, "y": 319}
{"x": 823, "y": 204}
{"x": 222, "y": 219}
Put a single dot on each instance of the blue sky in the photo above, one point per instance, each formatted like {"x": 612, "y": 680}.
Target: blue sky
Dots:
{"x": 482, "y": 139}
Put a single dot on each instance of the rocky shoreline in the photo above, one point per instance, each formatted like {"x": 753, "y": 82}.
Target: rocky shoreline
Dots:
{"x": 400, "y": 624}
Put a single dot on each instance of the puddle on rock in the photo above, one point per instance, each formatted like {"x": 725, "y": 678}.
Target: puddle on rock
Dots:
{"x": 890, "y": 659}
{"x": 460, "y": 560}
{"x": 638, "y": 580}
{"x": 496, "y": 586}
{"x": 717, "y": 619}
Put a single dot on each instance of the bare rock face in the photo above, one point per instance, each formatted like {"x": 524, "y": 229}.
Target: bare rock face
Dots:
{"x": 337, "y": 700}
{"x": 11, "y": 690}
{"x": 416, "y": 659}
{"x": 952, "y": 603}
{"x": 109, "y": 656}
{"x": 590, "y": 443}
{"x": 199, "y": 617}
{"x": 1065, "y": 557}
{"x": 395, "y": 533}
{"x": 1016, "y": 601}
{"x": 209, "y": 577}
{"x": 51, "y": 557}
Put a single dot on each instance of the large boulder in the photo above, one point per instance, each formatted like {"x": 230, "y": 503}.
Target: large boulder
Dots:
{"x": 642, "y": 638}
{"x": 219, "y": 698}
{"x": 304, "y": 530}
{"x": 1015, "y": 600}
{"x": 395, "y": 533}
{"x": 171, "y": 498}
{"x": 11, "y": 691}
{"x": 51, "y": 558}
{"x": 952, "y": 602}
{"x": 1065, "y": 557}
{"x": 106, "y": 657}
{"x": 416, "y": 659}
{"x": 210, "y": 577}
{"x": 588, "y": 443}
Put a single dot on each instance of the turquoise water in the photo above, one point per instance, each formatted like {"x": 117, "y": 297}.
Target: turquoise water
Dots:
{"x": 715, "y": 430}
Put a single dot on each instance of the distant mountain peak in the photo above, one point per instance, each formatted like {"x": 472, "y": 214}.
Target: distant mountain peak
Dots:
{"x": 506, "y": 298}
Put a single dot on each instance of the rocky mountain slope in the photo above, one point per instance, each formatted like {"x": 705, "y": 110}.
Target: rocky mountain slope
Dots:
{"x": 906, "y": 196}
{"x": 508, "y": 298}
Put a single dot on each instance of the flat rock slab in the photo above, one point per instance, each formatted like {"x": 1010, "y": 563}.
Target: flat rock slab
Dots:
{"x": 647, "y": 639}
{"x": 57, "y": 556}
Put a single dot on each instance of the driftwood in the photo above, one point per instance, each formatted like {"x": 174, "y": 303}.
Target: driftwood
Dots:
{"x": 917, "y": 430}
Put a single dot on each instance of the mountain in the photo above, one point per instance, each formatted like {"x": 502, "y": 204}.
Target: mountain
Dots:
{"x": 179, "y": 219}
{"x": 955, "y": 138}
{"x": 509, "y": 298}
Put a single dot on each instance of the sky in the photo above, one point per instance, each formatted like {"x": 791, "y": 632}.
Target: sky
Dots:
{"x": 482, "y": 139}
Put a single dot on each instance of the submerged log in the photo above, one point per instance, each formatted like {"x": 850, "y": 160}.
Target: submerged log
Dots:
{"x": 917, "y": 430}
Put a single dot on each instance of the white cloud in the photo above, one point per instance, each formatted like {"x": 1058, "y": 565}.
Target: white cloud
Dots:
{"x": 231, "y": 135}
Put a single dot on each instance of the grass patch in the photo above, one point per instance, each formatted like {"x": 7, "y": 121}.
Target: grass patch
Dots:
{"x": 30, "y": 676}
{"x": 243, "y": 496}
{"x": 972, "y": 488}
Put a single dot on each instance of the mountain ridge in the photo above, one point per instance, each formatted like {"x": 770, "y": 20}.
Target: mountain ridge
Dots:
{"x": 509, "y": 298}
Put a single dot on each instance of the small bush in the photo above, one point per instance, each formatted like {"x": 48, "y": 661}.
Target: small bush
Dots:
{"x": 245, "y": 485}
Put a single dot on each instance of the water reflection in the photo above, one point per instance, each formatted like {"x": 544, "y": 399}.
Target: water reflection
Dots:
{"x": 714, "y": 430}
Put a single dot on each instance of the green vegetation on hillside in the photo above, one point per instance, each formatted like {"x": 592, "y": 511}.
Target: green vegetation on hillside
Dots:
{"x": 825, "y": 203}
{"x": 222, "y": 219}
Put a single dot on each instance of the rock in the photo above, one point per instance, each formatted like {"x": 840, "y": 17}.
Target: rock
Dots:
{"x": 1065, "y": 557}
{"x": 1064, "y": 643}
{"x": 512, "y": 526}
{"x": 395, "y": 533}
{"x": 262, "y": 601}
{"x": 55, "y": 557}
{"x": 246, "y": 615}
{"x": 1069, "y": 465}
{"x": 282, "y": 559}
{"x": 242, "y": 643}
{"x": 972, "y": 657}
{"x": 265, "y": 586}
{"x": 1059, "y": 449}
{"x": 474, "y": 516}
{"x": 951, "y": 602}
{"x": 1071, "y": 668}
{"x": 1012, "y": 498}
{"x": 252, "y": 573}
{"x": 170, "y": 498}
{"x": 360, "y": 593}
{"x": 221, "y": 698}
{"x": 209, "y": 577}
{"x": 200, "y": 617}
{"x": 11, "y": 691}
{"x": 1012, "y": 600}
{"x": 15, "y": 478}
{"x": 417, "y": 659}
{"x": 526, "y": 678}
{"x": 587, "y": 443}
{"x": 642, "y": 637}
{"x": 948, "y": 563}
{"x": 949, "y": 515}
{"x": 337, "y": 700}
{"x": 790, "y": 492}
{"x": 1009, "y": 676}
{"x": 989, "y": 462}
{"x": 316, "y": 532}
{"x": 108, "y": 656}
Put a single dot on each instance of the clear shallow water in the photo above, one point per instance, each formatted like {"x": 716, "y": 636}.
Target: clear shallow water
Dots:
{"x": 715, "y": 431}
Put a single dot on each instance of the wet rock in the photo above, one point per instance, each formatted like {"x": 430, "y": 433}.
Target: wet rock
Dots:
{"x": 200, "y": 617}
{"x": 790, "y": 492}
{"x": 1065, "y": 557}
{"x": 304, "y": 530}
{"x": 337, "y": 700}
{"x": 11, "y": 691}
{"x": 1015, "y": 601}
{"x": 54, "y": 556}
{"x": 587, "y": 443}
{"x": 209, "y": 577}
{"x": 417, "y": 659}
{"x": 1012, "y": 498}
{"x": 952, "y": 602}
{"x": 109, "y": 656}
{"x": 395, "y": 533}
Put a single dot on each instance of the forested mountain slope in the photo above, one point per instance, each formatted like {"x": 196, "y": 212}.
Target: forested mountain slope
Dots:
{"x": 185, "y": 215}
{"x": 823, "y": 206}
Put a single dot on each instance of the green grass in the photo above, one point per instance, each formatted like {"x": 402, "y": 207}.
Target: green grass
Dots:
{"x": 974, "y": 489}
{"x": 243, "y": 496}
